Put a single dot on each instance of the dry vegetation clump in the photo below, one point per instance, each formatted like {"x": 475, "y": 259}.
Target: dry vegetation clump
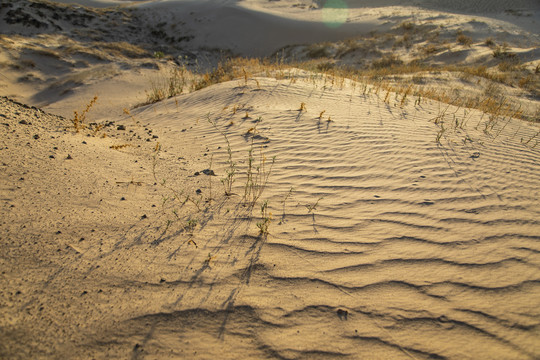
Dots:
{"x": 225, "y": 71}
{"x": 80, "y": 118}
{"x": 387, "y": 61}
{"x": 502, "y": 52}
{"x": 317, "y": 51}
{"x": 180, "y": 79}
{"x": 408, "y": 26}
{"x": 121, "y": 48}
{"x": 234, "y": 68}
{"x": 400, "y": 61}
{"x": 99, "y": 50}
{"x": 358, "y": 47}
{"x": 463, "y": 39}
{"x": 430, "y": 49}
{"x": 166, "y": 87}
{"x": 489, "y": 42}
{"x": 385, "y": 74}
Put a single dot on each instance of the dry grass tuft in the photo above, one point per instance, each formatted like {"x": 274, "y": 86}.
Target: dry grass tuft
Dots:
{"x": 167, "y": 87}
{"x": 79, "y": 119}
{"x": 121, "y": 48}
{"x": 464, "y": 40}
{"x": 120, "y": 146}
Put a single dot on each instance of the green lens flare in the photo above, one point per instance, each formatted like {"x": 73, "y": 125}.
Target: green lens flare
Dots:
{"x": 335, "y": 13}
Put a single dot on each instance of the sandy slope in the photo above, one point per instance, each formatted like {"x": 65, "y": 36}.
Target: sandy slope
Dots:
{"x": 429, "y": 248}
{"x": 414, "y": 250}
{"x": 399, "y": 228}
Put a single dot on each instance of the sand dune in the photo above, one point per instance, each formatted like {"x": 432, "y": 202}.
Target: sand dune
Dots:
{"x": 363, "y": 220}
{"x": 402, "y": 225}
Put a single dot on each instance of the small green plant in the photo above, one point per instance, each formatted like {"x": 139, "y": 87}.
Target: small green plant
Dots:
{"x": 266, "y": 218}
{"x": 230, "y": 172}
{"x": 284, "y": 201}
{"x": 79, "y": 119}
{"x": 257, "y": 174}
{"x": 313, "y": 207}
{"x": 190, "y": 226}
{"x": 440, "y": 134}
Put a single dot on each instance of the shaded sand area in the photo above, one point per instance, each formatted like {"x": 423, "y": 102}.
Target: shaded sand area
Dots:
{"x": 287, "y": 213}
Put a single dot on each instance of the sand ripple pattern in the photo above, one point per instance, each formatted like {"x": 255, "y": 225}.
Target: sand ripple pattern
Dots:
{"x": 411, "y": 249}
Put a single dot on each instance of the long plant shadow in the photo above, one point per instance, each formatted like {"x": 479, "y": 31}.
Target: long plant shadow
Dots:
{"x": 229, "y": 305}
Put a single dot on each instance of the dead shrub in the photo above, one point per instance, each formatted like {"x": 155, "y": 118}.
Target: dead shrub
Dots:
{"x": 464, "y": 40}
{"x": 318, "y": 51}
{"x": 387, "y": 62}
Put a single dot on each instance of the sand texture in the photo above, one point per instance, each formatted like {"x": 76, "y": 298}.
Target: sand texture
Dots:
{"x": 285, "y": 213}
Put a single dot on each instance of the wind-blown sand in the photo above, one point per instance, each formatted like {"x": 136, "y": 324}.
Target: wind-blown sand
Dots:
{"x": 398, "y": 228}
